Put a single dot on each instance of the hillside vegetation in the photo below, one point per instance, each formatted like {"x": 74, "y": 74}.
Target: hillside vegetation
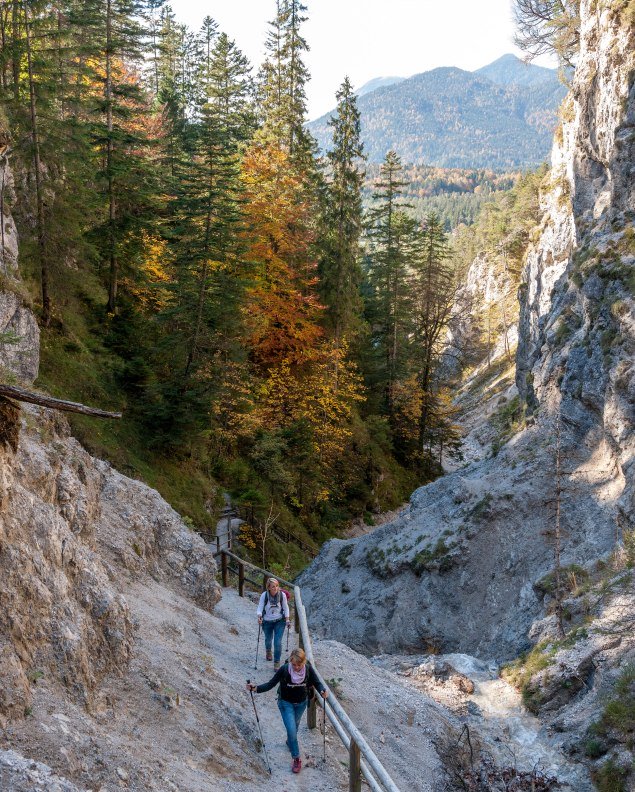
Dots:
{"x": 452, "y": 118}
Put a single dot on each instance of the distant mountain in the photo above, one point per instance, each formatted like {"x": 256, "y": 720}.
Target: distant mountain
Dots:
{"x": 510, "y": 70}
{"x": 452, "y": 118}
{"x": 378, "y": 82}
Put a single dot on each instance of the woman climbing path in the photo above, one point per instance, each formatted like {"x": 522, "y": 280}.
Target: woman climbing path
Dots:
{"x": 296, "y": 679}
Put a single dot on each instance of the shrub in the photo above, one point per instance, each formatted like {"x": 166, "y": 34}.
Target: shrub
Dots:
{"x": 610, "y": 778}
{"x": 343, "y": 556}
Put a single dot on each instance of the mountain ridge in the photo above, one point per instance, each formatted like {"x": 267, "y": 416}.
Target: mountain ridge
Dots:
{"x": 450, "y": 117}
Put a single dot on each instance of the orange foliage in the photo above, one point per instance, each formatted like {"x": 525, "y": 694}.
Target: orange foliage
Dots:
{"x": 282, "y": 309}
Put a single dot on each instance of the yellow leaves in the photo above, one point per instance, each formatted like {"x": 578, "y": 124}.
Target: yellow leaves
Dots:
{"x": 151, "y": 259}
{"x": 323, "y": 394}
{"x": 282, "y": 309}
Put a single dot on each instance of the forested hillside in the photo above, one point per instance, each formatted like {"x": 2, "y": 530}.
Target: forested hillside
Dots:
{"x": 456, "y": 195}
{"x": 501, "y": 117}
{"x": 194, "y": 264}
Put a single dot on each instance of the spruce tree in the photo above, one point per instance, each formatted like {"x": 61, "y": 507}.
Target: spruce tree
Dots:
{"x": 392, "y": 239}
{"x": 114, "y": 47}
{"x": 340, "y": 266}
{"x": 282, "y": 81}
{"x": 202, "y": 322}
{"x": 432, "y": 289}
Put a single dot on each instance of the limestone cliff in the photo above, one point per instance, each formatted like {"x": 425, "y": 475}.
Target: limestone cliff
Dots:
{"x": 471, "y": 564}
{"x": 68, "y": 525}
{"x": 458, "y": 568}
{"x": 19, "y": 333}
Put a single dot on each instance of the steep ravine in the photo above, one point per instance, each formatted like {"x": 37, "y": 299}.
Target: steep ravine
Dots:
{"x": 468, "y": 566}
{"x": 121, "y": 667}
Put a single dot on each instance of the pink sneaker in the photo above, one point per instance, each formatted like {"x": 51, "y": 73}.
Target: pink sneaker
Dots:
{"x": 297, "y": 765}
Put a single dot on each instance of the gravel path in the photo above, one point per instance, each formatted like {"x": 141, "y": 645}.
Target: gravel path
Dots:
{"x": 181, "y": 720}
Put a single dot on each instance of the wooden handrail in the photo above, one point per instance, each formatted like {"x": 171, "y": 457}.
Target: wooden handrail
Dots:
{"x": 355, "y": 735}
{"x": 374, "y": 772}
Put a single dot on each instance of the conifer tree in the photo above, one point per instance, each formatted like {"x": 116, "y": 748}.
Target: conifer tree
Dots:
{"x": 52, "y": 141}
{"x": 114, "y": 45}
{"x": 214, "y": 197}
{"x": 340, "y": 267}
{"x": 283, "y": 77}
{"x": 432, "y": 290}
{"x": 392, "y": 238}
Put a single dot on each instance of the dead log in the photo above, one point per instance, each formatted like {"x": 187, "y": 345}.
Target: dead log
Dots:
{"x": 19, "y": 394}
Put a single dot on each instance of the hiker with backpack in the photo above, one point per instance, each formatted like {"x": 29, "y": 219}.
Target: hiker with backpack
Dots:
{"x": 295, "y": 679}
{"x": 273, "y": 615}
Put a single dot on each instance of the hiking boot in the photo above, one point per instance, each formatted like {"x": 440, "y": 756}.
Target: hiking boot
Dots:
{"x": 276, "y": 666}
{"x": 297, "y": 765}
{"x": 269, "y": 656}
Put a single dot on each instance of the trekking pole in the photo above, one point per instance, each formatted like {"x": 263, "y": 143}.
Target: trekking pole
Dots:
{"x": 324, "y": 730}
{"x": 257, "y": 647}
{"x": 288, "y": 631}
{"x": 262, "y": 742}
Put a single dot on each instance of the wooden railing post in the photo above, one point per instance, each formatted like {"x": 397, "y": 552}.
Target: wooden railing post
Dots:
{"x": 311, "y": 713}
{"x": 265, "y": 578}
{"x": 223, "y": 566}
{"x": 354, "y": 768}
{"x": 229, "y": 531}
{"x": 241, "y": 580}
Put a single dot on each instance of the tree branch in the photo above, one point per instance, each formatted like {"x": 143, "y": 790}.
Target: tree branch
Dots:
{"x": 19, "y": 394}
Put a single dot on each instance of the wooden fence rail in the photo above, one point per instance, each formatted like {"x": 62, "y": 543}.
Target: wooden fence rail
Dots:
{"x": 362, "y": 759}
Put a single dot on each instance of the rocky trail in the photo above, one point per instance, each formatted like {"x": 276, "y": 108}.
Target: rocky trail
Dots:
{"x": 181, "y": 719}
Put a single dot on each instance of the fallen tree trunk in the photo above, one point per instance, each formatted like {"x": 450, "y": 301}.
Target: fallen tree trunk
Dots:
{"x": 19, "y": 394}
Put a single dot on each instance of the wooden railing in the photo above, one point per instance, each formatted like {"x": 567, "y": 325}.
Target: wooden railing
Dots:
{"x": 247, "y": 513}
{"x": 362, "y": 759}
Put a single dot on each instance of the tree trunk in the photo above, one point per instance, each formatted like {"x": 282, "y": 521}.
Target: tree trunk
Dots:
{"x": 112, "y": 209}
{"x": 41, "y": 240}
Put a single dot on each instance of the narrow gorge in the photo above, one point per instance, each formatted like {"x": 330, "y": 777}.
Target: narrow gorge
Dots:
{"x": 484, "y": 636}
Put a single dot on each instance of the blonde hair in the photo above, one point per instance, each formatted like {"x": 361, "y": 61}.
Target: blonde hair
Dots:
{"x": 298, "y": 656}
{"x": 272, "y": 580}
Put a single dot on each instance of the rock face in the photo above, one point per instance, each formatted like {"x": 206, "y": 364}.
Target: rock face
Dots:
{"x": 485, "y": 290}
{"x": 70, "y": 526}
{"x": 457, "y": 569}
{"x": 19, "y": 333}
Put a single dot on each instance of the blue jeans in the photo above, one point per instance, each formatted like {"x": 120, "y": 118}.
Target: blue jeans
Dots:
{"x": 291, "y": 717}
{"x": 275, "y": 630}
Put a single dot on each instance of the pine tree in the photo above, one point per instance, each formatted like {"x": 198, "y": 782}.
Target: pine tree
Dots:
{"x": 432, "y": 289}
{"x": 392, "y": 239}
{"x": 283, "y": 77}
{"x": 340, "y": 266}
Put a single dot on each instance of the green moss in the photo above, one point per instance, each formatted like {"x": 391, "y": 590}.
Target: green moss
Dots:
{"x": 481, "y": 509}
{"x": 520, "y": 671}
{"x": 619, "y": 713}
{"x": 594, "y": 748}
{"x": 377, "y": 563}
{"x": 572, "y": 576}
{"x": 343, "y": 556}
{"x": 610, "y": 778}
{"x": 430, "y": 557}
{"x": 507, "y": 421}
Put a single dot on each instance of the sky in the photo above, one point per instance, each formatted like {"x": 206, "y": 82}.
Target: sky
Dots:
{"x": 363, "y": 39}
